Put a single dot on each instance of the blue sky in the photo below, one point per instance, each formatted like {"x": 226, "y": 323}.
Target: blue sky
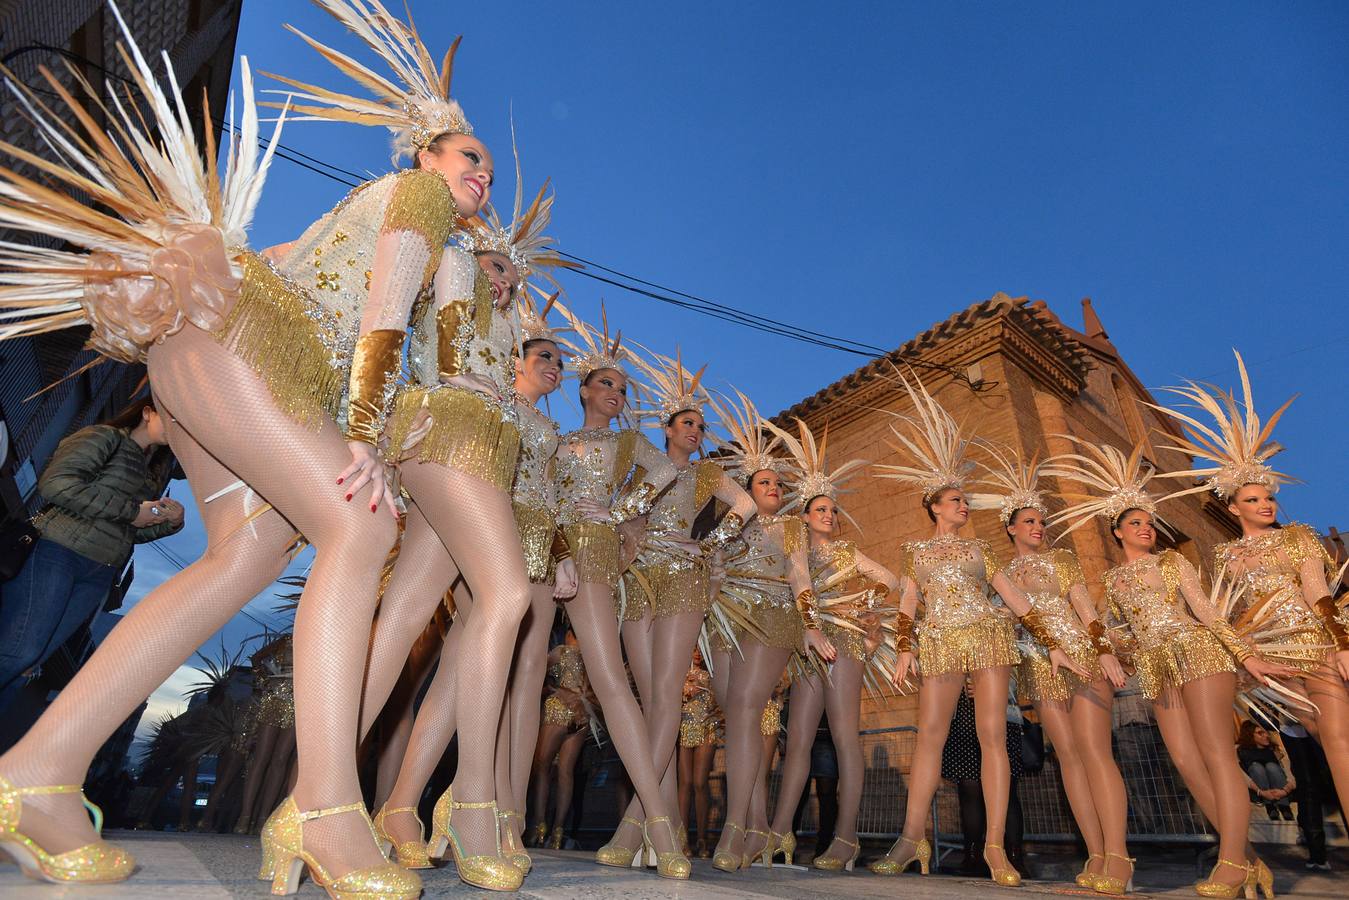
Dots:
{"x": 867, "y": 169}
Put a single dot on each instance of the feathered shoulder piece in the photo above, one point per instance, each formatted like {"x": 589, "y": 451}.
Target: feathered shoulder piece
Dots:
{"x": 752, "y": 444}
{"x": 931, "y": 442}
{"x": 809, "y": 469}
{"x": 1015, "y": 483}
{"x": 414, "y": 103}
{"x": 1236, "y": 447}
{"x": 1118, "y": 483}
{"x": 672, "y": 387}
{"x": 158, "y": 232}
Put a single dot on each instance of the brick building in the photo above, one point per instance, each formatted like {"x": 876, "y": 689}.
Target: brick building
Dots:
{"x": 1011, "y": 372}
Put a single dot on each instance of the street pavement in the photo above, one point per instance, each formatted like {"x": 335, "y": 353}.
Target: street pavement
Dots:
{"x": 217, "y": 867}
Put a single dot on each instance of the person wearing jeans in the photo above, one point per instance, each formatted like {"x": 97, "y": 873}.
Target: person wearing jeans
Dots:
{"x": 1267, "y": 774}
{"x": 96, "y": 485}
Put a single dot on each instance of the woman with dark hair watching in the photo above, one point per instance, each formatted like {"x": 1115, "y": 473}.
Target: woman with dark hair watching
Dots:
{"x": 1268, "y": 775}
{"x": 100, "y": 502}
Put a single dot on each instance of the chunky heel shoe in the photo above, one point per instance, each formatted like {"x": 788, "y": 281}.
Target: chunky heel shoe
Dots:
{"x": 1212, "y": 888}
{"x": 765, "y": 856}
{"x": 284, "y": 841}
{"x": 408, "y": 854}
{"x": 827, "y": 863}
{"x": 786, "y": 845}
{"x": 615, "y": 854}
{"x": 1005, "y": 877}
{"x": 1088, "y": 879}
{"x": 491, "y": 872}
{"x": 1105, "y": 883}
{"x": 535, "y": 836}
{"x": 891, "y": 864}
{"x": 1263, "y": 878}
{"x": 556, "y": 838}
{"x": 668, "y": 865}
{"x": 95, "y": 863}
{"x": 516, "y": 854}
{"x": 725, "y": 860}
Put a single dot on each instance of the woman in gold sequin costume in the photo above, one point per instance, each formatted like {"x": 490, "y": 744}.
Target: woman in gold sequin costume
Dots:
{"x": 762, "y": 574}
{"x": 699, "y": 727}
{"x": 606, "y": 478}
{"x": 274, "y": 376}
{"x": 1186, "y": 659}
{"x": 1288, "y": 609}
{"x": 963, "y": 633}
{"x": 1075, "y": 712}
{"x": 667, "y": 592}
{"x": 565, "y": 727}
{"x": 848, "y": 584}
{"x": 273, "y": 736}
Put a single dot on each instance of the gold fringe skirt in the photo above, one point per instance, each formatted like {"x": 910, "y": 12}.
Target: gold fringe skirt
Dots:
{"x": 666, "y": 589}
{"x": 984, "y": 644}
{"x": 698, "y": 733}
{"x": 846, "y": 641}
{"x": 536, "y": 527}
{"x": 1190, "y": 655}
{"x": 1036, "y": 680}
{"x": 594, "y": 551}
{"x": 469, "y": 433}
{"x": 779, "y": 626}
{"x": 290, "y": 341}
{"x": 1308, "y": 649}
{"x": 555, "y": 712}
{"x": 771, "y": 721}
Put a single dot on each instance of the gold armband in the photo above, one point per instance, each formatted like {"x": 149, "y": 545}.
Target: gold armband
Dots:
{"x": 561, "y": 549}
{"x": 904, "y": 632}
{"x": 1330, "y": 618}
{"x": 637, "y": 502}
{"x": 1099, "y": 642}
{"x": 730, "y": 525}
{"x": 805, "y": 604}
{"x": 1228, "y": 637}
{"x": 374, "y": 367}
{"x": 449, "y": 356}
{"x": 1032, "y": 622}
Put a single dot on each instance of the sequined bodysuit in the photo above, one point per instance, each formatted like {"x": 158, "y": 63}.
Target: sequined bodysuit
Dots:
{"x": 850, "y": 590}
{"x": 961, "y": 630}
{"x": 534, "y": 494}
{"x": 767, "y": 567}
{"x": 1046, "y": 579}
{"x": 567, "y": 687}
{"x": 700, "y": 719}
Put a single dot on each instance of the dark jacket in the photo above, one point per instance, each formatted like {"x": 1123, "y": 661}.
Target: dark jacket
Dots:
{"x": 95, "y": 483}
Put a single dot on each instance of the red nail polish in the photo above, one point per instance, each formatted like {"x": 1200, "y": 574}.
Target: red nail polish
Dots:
{"x": 348, "y": 498}
{"x": 340, "y": 480}
{"x": 373, "y": 507}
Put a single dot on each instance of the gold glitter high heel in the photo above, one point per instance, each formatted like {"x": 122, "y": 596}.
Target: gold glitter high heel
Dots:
{"x": 1007, "y": 877}
{"x": 1262, "y": 878}
{"x": 765, "y": 856}
{"x": 534, "y": 837}
{"x": 786, "y": 845}
{"x": 891, "y": 865}
{"x": 1088, "y": 879}
{"x": 484, "y": 870}
{"x": 285, "y": 842}
{"x": 556, "y": 838}
{"x": 1212, "y": 888}
{"x": 668, "y": 865}
{"x": 1105, "y": 883}
{"x": 615, "y": 854}
{"x": 729, "y": 862}
{"x": 827, "y": 863}
{"x": 516, "y": 854}
{"x": 95, "y": 863}
{"x": 408, "y": 854}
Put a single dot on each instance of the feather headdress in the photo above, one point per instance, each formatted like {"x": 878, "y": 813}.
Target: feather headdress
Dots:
{"x": 1015, "y": 483}
{"x": 1120, "y": 480}
{"x": 126, "y": 182}
{"x": 593, "y": 348}
{"x": 673, "y": 389}
{"x": 931, "y": 441}
{"x": 1237, "y": 446}
{"x": 415, "y": 104}
{"x": 809, "y": 468}
{"x": 752, "y": 445}
{"x": 533, "y": 320}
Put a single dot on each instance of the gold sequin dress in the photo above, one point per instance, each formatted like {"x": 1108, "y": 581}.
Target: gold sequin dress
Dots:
{"x": 961, "y": 630}
{"x": 1046, "y": 579}
{"x": 770, "y": 723}
{"x": 667, "y": 578}
{"x": 699, "y": 719}
{"x": 618, "y": 469}
{"x": 274, "y": 689}
{"x": 457, "y": 330}
{"x": 297, "y": 324}
{"x": 767, "y": 567}
{"x": 534, "y": 494}
{"x": 1149, "y": 596}
{"x": 844, "y": 581}
{"x": 566, "y": 688}
{"x": 1276, "y": 563}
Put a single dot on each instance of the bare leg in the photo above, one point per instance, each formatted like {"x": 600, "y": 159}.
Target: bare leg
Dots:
{"x": 1208, "y": 703}
{"x": 807, "y": 705}
{"x": 1091, "y": 724}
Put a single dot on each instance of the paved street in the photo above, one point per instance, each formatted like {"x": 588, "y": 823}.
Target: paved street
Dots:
{"x": 216, "y": 867}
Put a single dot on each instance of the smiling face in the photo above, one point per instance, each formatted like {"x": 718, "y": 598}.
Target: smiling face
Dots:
{"x": 463, "y": 161}
{"x": 1259, "y": 736}
{"x": 821, "y": 516}
{"x": 1254, "y": 505}
{"x": 540, "y": 371}
{"x": 605, "y": 392}
{"x": 685, "y": 431}
{"x": 1135, "y": 531}
{"x": 1027, "y": 528}
{"x": 503, "y": 276}
{"x": 765, "y": 487}
{"x": 949, "y": 509}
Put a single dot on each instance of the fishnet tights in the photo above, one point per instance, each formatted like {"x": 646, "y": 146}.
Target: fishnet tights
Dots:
{"x": 220, "y": 403}
{"x": 1081, "y": 738}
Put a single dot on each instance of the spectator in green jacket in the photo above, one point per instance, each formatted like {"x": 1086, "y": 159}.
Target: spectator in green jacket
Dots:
{"x": 100, "y": 502}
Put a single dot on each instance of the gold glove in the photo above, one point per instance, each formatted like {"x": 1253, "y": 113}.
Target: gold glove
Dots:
{"x": 810, "y": 614}
{"x": 1239, "y": 648}
{"x": 1032, "y": 622}
{"x": 730, "y": 525}
{"x": 637, "y": 502}
{"x": 449, "y": 317}
{"x": 561, "y": 549}
{"x": 1099, "y": 642}
{"x": 1329, "y": 613}
{"x": 374, "y": 367}
{"x": 904, "y": 630}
